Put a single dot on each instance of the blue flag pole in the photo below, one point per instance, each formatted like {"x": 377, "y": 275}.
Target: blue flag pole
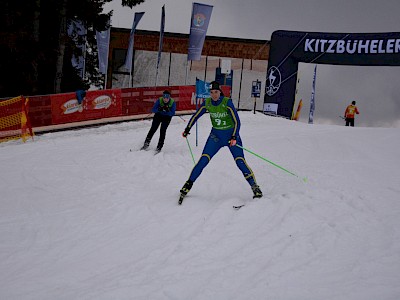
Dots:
{"x": 312, "y": 101}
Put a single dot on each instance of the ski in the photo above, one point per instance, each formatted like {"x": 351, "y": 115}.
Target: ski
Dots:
{"x": 237, "y": 207}
{"x": 141, "y": 149}
{"x": 181, "y": 197}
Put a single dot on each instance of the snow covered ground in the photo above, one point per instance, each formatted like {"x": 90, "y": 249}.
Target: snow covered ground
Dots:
{"x": 83, "y": 217}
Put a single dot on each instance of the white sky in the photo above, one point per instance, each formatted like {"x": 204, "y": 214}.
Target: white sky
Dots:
{"x": 257, "y": 19}
{"x": 82, "y": 217}
{"x": 375, "y": 89}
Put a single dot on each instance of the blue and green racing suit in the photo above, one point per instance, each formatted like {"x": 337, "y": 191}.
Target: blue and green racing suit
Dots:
{"x": 225, "y": 125}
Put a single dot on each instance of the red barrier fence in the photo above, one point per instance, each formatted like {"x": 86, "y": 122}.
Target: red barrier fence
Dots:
{"x": 54, "y": 110}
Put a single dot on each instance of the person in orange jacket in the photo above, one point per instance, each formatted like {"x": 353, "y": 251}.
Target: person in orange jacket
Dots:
{"x": 349, "y": 113}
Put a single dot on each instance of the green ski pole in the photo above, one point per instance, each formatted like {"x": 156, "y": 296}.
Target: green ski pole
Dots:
{"x": 190, "y": 149}
{"x": 274, "y": 164}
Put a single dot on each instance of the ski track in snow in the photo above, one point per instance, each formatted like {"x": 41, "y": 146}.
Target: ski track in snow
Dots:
{"x": 86, "y": 215}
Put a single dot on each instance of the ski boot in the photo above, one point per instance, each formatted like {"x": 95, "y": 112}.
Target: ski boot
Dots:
{"x": 158, "y": 149}
{"x": 145, "y": 145}
{"x": 185, "y": 189}
{"x": 256, "y": 191}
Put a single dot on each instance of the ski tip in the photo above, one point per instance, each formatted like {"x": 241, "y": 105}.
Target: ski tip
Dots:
{"x": 237, "y": 207}
{"x": 181, "y": 199}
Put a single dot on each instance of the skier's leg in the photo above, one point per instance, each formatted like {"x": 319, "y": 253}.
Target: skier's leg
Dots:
{"x": 210, "y": 149}
{"x": 153, "y": 129}
{"x": 163, "y": 130}
{"x": 241, "y": 163}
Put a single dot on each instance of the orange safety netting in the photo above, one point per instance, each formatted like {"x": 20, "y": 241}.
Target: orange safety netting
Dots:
{"x": 14, "y": 121}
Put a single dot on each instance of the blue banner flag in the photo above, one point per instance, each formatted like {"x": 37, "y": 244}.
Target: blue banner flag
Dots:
{"x": 103, "y": 42}
{"x": 160, "y": 43}
{"x": 129, "y": 53}
{"x": 201, "y": 14}
{"x": 77, "y": 32}
{"x": 202, "y": 89}
{"x": 312, "y": 101}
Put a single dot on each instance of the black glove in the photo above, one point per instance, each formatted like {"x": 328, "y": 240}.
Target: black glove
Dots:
{"x": 186, "y": 132}
{"x": 160, "y": 108}
{"x": 166, "y": 108}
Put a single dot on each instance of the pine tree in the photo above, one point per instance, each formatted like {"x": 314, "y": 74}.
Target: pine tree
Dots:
{"x": 36, "y": 50}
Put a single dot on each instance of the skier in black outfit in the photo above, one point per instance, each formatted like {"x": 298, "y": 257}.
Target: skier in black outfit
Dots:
{"x": 164, "y": 109}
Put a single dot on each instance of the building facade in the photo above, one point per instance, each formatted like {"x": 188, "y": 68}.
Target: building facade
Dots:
{"x": 248, "y": 60}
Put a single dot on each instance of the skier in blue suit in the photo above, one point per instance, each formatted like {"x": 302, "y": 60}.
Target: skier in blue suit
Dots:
{"x": 163, "y": 109}
{"x": 225, "y": 132}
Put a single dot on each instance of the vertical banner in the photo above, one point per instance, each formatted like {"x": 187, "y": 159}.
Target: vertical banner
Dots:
{"x": 160, "y": 43}
{"x": 77, "y": 32}
{"x": 103, "y": 42}
{"x": 129, "y": 53}
{"x": 297, "y": 114}
{"x": 296, "y": 94}
{"x": 312, "y": 101}
{"x": 201, "y": 14}
{"x": 202, "y": 90}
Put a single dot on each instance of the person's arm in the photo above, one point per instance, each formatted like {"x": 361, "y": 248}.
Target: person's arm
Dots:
{"x": 199, "y": 112}
{"x": 235, "y": 117}
{"x": 357, "y": 112}
{"x": 172, "y": 109}
{"x": 236, "y": 122}
{"x": 156, "y": 106}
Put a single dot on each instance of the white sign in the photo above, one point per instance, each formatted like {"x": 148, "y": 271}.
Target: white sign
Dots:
{"x": 226, "y": 66}
{"x": 256, "y": 89}
{"x": 271, "y": 108}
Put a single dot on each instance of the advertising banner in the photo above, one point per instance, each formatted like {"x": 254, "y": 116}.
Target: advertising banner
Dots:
{"x": 288, "y": 48}
{"x": 103, "y": 41}
{"x": 99, "y": 104}
{"x": 129, "y": 53}
{"x": 184, "y": 101}
{"x": 160, "y": 43}
{"x": 201, "y": 14}
{"x": 77, "y": 32}
{"x": 202, "y": 89}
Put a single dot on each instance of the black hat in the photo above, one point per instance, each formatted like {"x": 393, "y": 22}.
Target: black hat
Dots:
{"x": 214, "y": 85}
{"x": 354, "y": 102}
{"x": 166, "y": 94}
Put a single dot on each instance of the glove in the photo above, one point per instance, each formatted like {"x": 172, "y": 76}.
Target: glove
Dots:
{"x": 186, "y": 132}
{"x": 160, "y": 108}
{"x": 166, "y": 108}
{"x": 232, "y": 141}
